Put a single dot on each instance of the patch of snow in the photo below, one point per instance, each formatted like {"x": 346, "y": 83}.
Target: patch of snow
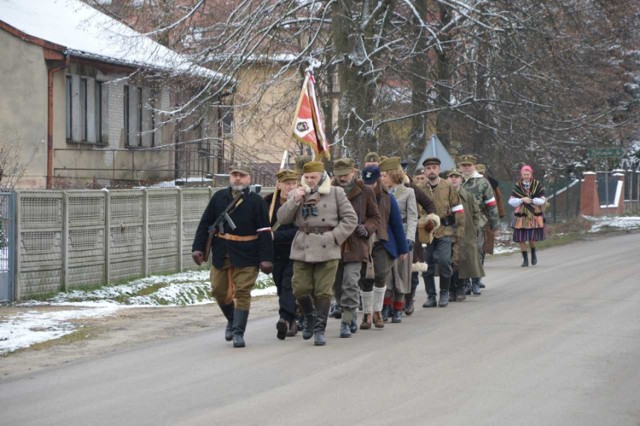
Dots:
{"x": 618, "y": 222}
{"x": 186, "y": 288}
{"x": 28, "y": 328}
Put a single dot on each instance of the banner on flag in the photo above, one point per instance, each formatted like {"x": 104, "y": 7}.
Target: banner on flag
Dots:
{"x": 307, "y": 125}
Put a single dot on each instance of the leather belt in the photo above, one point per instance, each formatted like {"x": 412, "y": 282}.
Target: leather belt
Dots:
{"x": 231, "y": 237}
{"x": 317, "y": 229}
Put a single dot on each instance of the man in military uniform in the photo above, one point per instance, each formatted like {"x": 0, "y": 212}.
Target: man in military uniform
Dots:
{"x": 451, "y": 213}
{"x": 355, "y": 250}
{"x": 466, "y": 260}
{"x": 237, "y": 250}
{"x": 479, "y": 186}
{"x": 288, "y": 180}
{"x": 489, "y": 235}
{"x": 325, "y": 219}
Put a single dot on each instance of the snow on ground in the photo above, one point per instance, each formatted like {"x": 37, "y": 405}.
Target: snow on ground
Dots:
{"x": 186, "y": 288}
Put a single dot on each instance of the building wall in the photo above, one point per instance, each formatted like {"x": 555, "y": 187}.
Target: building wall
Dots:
{"x": 263, "y": 130}
{"x": 23, "y": 106}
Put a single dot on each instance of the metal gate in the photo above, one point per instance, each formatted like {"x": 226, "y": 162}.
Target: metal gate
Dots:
{"x": 7, "y": 245}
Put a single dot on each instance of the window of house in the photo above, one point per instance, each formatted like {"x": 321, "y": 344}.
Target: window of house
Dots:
{"x": 125, "y": 103}
{"x": 140, "y": 105}
{"x": 98, "y": 110}
{"x": 83, "y": 110}
{"x": 227, "y": 120}
{"x": 69, "y": 109}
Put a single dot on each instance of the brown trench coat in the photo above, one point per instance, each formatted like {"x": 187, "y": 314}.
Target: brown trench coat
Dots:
{"x": 363, "y": 201}
{"x": 319, "y": 237}
{"x": 468, "y": 258}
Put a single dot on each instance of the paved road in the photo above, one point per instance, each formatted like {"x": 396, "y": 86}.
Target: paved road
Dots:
{"x": 555, "y": 344}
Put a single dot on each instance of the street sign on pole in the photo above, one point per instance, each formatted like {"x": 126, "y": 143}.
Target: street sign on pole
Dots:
{"x": 602, "y": 153}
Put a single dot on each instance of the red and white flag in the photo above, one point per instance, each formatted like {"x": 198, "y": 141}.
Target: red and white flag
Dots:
{"x": 307, "y": 124}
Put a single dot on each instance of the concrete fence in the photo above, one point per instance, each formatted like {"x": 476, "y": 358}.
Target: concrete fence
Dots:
{"x": 66, "y": 240}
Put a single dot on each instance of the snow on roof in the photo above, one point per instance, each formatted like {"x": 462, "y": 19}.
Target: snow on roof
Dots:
{"x": 88, "y": 33}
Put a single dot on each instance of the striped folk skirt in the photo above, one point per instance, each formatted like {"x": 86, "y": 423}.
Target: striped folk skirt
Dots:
{"x": 532, "y": 234}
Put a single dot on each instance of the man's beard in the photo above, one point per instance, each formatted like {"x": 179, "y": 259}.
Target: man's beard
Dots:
{"x": 432, "y": 176}
{"x": 238, "y": 187}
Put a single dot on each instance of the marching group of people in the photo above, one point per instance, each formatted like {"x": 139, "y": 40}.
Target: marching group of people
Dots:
{"x": 360, "y": 238}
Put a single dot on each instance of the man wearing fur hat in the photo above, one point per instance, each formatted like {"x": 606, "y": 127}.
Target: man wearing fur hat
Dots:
{"x": 451, "y": 213}
{"x": 325, "y": 219}
{"x": 479, "y": 186}
{"x": 355, "y": 250}
{"x": 237, "y": 251}
{"x": 466, "y": 260}
{"x": 288, "y": 180}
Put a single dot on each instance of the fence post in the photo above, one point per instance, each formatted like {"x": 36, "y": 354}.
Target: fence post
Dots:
{"x": 554, "y": 204}
{"x": 145, "y": 232}
{"x": 107, "y": 236}
{"x": 65, "y": 241}
{"x": 568, "y": 191}
{"x": 14, "y": 248}
{"x": 180, "y": 230}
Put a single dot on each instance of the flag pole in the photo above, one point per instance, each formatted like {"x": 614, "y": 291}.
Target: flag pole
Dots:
{"x": 276, "y": 192}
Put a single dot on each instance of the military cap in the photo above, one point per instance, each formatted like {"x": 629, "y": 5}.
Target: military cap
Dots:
{"x": 372, "y": 157}
{"x": 388, "y": 164}
{"x": 343, "y": 166}
{"x": 454, "y": 172}
{"x": 432, "y": 160}
{"x": 481, "y": 168}
{"x": 382, "y": 158}
{"x": 283, "y": 175}
{"x": 313, "y": 166}
{"x": 370, "y": 174}
{"x": 240, "y": 168}
{"x": 301, "y": 161}
{"x": 468, "y": 159}
{"x": 419, "y": 170}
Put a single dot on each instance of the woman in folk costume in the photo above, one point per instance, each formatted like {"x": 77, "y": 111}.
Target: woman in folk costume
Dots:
{"x": 393, "y": 179}
{"x": 527, "y": 198}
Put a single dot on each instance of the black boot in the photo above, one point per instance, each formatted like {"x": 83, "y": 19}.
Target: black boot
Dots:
{"x": 534, "y": 259}
{"x": 445, "y": 283}
{"x": 227, "y": 310}
{"x": 322, "y": 313}
{"x": 525, "y": 259}
{"x": 409, "y": 305}
{"x": 475, "y": 287}
{"x": 283, "y": 328}
{"x": 430, "y": 284}
{"x": 460, "y": 291}
{"x": 309, "y": 317}
{"x": 240, "y": 318}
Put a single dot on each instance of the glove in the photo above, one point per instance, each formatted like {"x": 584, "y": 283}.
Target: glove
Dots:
{"x": 266, "y": 267}
{"x": 410, "y": 245}
{"x": 361, "y": 231}
{"x": 429, "y": 226}
{"x": 198, "y": 257}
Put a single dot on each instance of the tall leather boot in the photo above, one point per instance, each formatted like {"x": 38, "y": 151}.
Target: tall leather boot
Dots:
{"x": 322, "y": 313}
{"x": 534, "y": 258}
{"x": 453, "y": 289}
{"x": 430, "y": 284}
{"x": 460, "y": 290}
{"x": 309, "y": 317}
{"x": 240, "y": 318}
{"x": 445, "y": 283}
{"x": 227, "y": 310}
{"x": 525, "y": 259}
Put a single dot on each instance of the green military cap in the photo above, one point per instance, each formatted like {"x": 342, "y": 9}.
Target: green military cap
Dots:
{"x": 388, "y": 164}
{"x": 343, "y": 166}
{"x": 372, "y": 157}
{"x": 431, "y": 160}
{"x": 283, "y": 175}
{"x": 481, "y": 168}
{"x": 313, "y": 166}
{"x": 241, "y": 168}
{"x": 468, "y": 159}
{"x": 454, "y": 172}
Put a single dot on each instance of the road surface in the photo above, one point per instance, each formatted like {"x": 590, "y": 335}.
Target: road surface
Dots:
{"x": 555, "y": 344}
